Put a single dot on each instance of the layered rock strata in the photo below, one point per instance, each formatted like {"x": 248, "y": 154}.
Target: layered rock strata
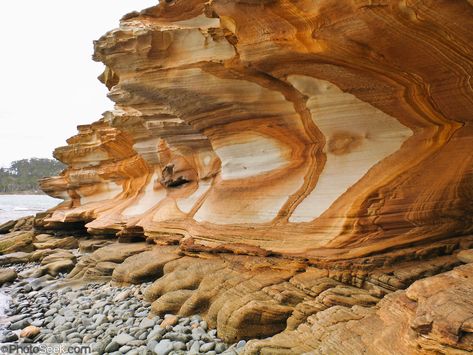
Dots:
{"x": 306, "y": 159}
{"x": 322, "y": 130}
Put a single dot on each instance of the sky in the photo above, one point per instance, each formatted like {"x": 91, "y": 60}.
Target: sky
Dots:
{"x": 48, "y": 81}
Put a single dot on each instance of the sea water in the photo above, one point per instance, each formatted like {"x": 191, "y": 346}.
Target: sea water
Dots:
{"x": 14, "y": 207}
{"x": 17, "y": 206}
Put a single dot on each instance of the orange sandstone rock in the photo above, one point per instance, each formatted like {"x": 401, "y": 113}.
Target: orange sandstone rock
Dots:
{"x": 310, "y": 158}
{"x": 30, "y": 332}
{"x": 333, "y": 129}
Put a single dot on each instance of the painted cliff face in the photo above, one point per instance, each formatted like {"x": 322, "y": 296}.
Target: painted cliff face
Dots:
{"x": 319, "y": 129}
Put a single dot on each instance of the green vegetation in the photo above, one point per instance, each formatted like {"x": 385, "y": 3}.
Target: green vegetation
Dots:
{"x": 23, "y": 175}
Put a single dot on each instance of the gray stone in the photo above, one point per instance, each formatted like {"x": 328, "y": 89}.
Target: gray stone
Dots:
{"x": 38, "y": 323}
{"x": 112, "y": 346}
{"x": 177, "y": 337}
{"x": 52, "y": 311}
{"x": 88, "y": 338}
{"x": 147, "y": 323}
{"x": 124, "y": 349}
{"x": 51, "y": 338}
{"x": 17, "y": 318}
{"x": 41, "y": 299}
{"x": 152, "y": 344}
{"x": 137, "y": 342}
{"x": 67, "y": 325}
{"x": 26, "y": 288}
{"x": 241, "y": 344}
{"x": 194, "y": 350}
{"x": 182, "y": 329}
{"x": 207, "y": 347}
{"x": 184, "y": 321}
{"x": 58, "y": 320}
{"x": 112, "y": 330}
{"x": 179, "y": 345}
{"x": 74, "y": 335}
{"x": 156, "y": 334}
{"x": 197, "y": 333}
{"x": 220, "y": 348}
{"x": 164, "y": 347}
{"x": 196, "y": 318}
{"x": 143, "y": 351}
{"x": 8, "y": 338}
{"x": 20, "y": 324}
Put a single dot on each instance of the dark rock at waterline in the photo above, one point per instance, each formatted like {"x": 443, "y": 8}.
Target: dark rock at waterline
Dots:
{"x": 7, "y": 226}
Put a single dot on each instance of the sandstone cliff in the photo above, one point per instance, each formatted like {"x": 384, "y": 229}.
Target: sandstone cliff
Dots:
{"x": 314, "y": 155}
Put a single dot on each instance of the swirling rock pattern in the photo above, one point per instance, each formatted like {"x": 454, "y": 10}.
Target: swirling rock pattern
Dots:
{"x": 334, "y": 133}
{"x": 333, "y": 129}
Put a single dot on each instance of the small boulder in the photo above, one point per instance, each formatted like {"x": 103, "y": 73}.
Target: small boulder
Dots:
{"x": 58, "y": 256}
{"x": 57, "y": 267}
{"x": 164, "y": 347}
{"x": 21, "y": 324}
{"x": 7, "y": 275}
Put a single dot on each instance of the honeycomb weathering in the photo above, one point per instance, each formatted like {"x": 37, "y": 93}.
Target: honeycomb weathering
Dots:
{"x": 328, "y": 129}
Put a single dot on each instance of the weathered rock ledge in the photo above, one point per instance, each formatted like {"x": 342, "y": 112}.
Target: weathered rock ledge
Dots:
{"x": 417, "y": 305}
{"x": 295, "y": 167}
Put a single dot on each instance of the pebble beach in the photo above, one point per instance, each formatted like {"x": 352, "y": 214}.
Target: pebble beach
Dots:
{"x": 98, "y": 318}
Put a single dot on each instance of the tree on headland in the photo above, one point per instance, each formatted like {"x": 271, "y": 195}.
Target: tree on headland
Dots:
{"x": 23, "y": 175}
